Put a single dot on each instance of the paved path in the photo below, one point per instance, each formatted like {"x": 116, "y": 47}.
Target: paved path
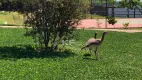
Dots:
{"x": 102, "y": 23}
{"x": 12, "y": 27}
{"x": 119, "y": 30}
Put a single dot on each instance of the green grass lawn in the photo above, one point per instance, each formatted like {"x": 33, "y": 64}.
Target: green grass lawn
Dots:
{"x": 12, "y": 18}
{"x": 121, "y": 58}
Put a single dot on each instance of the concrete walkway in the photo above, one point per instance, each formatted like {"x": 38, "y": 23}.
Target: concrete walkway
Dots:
{"x": 102, "y": 23}
{"x": 12, "y": 27}
{"x": 119, "y": 30}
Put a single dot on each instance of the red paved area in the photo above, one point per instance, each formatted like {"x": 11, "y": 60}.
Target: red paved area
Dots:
{"x": 101, "y": 23}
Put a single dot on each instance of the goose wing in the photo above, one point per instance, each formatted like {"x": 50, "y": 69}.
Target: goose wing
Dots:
{"x": 93, "y": 41}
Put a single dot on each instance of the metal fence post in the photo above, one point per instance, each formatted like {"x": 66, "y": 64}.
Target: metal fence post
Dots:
{"x": 106, "y": 14}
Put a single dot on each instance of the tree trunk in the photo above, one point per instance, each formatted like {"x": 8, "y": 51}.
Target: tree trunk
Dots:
{"x": 113, "y": 9}
{"x": 46, "y": 39}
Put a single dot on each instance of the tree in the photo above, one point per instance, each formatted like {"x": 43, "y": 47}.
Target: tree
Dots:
{"x": 130, "y": 4}
{"x": 112, "y": 2}
{"x": 52, "y": 21}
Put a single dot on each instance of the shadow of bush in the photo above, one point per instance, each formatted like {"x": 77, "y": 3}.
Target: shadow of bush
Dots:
{"x": 21, "y": 51}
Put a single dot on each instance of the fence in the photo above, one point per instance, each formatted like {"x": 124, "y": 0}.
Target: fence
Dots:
{"x": 126, "y": 18}
{"x": 116, "y": 12}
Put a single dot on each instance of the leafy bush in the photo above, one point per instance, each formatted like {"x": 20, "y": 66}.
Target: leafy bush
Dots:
{"x": 52, "y": 21}
{"x": 111, "y": 20}
{"x": 126, "y": 25}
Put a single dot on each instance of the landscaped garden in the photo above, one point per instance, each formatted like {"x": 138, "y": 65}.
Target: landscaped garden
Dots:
{"x": 120, "y": 52}
{"x": 51, "y": 49}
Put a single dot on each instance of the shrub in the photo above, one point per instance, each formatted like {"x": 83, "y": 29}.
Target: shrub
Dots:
{"x": 52, "y": 21}
{"x": 111, "y": 20}
{"x": 125, "y": 25}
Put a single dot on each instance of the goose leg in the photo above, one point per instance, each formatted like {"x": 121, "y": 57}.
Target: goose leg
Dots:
{"x": 90, "y": 50}
{"x": 96, "y": 53}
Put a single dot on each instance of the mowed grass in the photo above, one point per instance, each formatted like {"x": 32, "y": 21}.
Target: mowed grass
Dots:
{"x": 121, "y": 58}
{"x": 12, "y": 18}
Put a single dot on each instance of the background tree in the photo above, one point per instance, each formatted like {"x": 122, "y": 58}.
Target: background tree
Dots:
{"x": 130, "y": 4}
{"x": 112, "y": 2}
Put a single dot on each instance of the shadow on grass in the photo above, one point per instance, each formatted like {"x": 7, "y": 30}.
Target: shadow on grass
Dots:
{"x": 20, "y": 51}
{"x": 87, "y": 58}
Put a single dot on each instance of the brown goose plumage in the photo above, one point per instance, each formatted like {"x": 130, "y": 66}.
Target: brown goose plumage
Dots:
{"x": 94, "y": 43}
